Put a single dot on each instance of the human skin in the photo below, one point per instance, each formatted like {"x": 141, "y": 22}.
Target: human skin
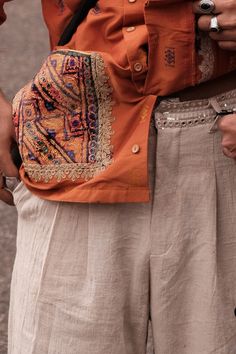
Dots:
{"x": 226, "y": 14}
{"x": 7, "y": 136}
{"x": 225, "y": 10}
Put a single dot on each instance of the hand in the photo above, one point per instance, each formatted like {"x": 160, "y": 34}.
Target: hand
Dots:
{"x": 226, "y": 16}
{"x": 7, "y": 136}
{"x": 227, "y": 126}
{"x": 5, "y": 195}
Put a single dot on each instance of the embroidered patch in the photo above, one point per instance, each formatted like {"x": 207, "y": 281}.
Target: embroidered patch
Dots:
{"x": 63, "y": 118}
{"x": 170, "y": 56}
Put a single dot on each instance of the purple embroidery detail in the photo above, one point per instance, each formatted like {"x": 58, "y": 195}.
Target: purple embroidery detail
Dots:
{"x": 170, "y": 56}
{"x": 61, "y": 5}
{"x": 96, "y": 10}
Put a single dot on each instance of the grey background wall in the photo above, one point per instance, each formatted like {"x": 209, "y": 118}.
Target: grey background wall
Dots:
{"x": 23, "y": 45}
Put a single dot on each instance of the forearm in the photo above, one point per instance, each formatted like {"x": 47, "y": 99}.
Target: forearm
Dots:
{"x": 6, "y": 115}
{"x": 4, "y": 103}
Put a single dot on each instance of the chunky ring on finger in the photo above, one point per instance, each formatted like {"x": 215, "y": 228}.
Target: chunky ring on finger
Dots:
{"x": 206, "y": 6}
{"x": 214, "y": 25}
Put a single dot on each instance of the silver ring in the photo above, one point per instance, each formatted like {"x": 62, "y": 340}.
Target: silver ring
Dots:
{"x": 206, "y": 6}
{"x": 214, "y": 25}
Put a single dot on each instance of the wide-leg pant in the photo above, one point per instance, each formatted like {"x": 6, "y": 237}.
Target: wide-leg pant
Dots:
{"x": 87, "y": 278}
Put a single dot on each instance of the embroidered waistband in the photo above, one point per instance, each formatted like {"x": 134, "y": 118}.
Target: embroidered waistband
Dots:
{"x": 172, "y": 113}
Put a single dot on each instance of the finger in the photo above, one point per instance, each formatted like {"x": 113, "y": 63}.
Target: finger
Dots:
{"x": 204, "y": 23}
{"x": 6, "y": 197}
{"x": 7, "y": 165}
{"x": 218, "y": 7}
{"x": 225, "y": 22}
{"x": 228, "y": 153}
{"x": 226, "y": 35}
{"x": 227, "y": 45}
{"x": 226, "y": 123}
{"x": 2, "y": 182}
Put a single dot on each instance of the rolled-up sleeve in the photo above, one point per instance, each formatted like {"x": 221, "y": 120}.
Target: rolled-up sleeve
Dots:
{"x": 57, "y": 14}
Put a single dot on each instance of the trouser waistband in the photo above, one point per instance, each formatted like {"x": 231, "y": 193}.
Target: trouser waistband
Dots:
{"x": 173, "y": 113}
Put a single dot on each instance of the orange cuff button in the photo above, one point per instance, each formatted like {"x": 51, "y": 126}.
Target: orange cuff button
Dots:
{"x": 138, "y": 67}
{"x": 135, "y": 149}
{"x": 130, "y": 29}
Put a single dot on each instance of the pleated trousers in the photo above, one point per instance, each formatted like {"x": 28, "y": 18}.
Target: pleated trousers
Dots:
{"x": 89, "y": 278}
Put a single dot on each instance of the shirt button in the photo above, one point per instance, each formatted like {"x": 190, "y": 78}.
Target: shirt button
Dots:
{"x": 132, "y": 1}
{"x": 135, "y": 149}
{"x": 130, "y": 29}
{"x": 138, "y": 67}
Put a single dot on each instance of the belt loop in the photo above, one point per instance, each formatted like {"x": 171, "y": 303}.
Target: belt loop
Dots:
{"x": 220, "y": 113}
{"x": 215, "y": 105}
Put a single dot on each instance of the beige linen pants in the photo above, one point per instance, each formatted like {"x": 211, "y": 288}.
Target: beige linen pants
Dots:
{"x": 87, "y": 278}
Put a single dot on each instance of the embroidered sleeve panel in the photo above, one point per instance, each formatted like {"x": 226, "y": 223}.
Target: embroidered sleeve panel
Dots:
{"x": 63, "y": 118}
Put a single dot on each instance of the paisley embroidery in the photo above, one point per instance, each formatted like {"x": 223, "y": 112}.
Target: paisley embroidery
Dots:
{"x": 208, "y": 58}
{"x": 63, "y": 118}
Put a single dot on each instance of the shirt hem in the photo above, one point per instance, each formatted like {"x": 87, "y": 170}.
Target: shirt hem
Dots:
{"x": 104, "y": 196}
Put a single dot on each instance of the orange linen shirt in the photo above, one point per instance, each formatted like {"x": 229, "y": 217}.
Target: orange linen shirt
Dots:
{"x": 137, "y": 50}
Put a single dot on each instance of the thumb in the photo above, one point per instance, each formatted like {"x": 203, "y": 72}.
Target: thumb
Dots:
{"x": 6, "y": 197}
{"x": 228, "y": 153}
{"x": 7, "y": 165}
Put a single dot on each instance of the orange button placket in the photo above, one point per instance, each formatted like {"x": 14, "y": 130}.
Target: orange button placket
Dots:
{"x": 133, "y": 29}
